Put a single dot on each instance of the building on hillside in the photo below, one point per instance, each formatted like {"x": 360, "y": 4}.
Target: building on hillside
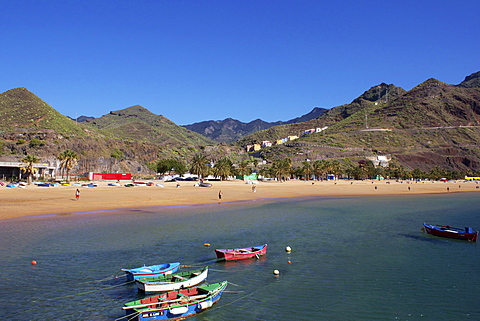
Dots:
{"x": 318, "y": 130}
{"x": 292, "y": 137}
{"x": 266, "y": 143}
{"x": 380, "y": 160}
{"x": 253, "y": 148}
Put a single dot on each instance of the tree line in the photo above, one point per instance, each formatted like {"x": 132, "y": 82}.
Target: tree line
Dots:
{"x": 280, "y": 169}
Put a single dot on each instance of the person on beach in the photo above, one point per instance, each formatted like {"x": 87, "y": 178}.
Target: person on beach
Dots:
{"x": 220, "y": 195}
{"x": 77, "y": 194}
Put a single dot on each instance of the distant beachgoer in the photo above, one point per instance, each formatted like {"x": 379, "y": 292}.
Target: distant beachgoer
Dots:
{"x": 254, "y": 188}
{"x": 409, "y": 188}
{"x": 77, "y": 194}
{"x": 178, "y": 185}
{"x": 448, "y": 189}
{"x": 220, "y": 195}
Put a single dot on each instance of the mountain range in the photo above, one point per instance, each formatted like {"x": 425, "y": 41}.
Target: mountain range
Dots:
{"x": 433, "y": 124}
{"x": 231, "y": 130}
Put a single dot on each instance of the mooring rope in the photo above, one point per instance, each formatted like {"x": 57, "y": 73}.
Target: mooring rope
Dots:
{"x": 86, "y": 292}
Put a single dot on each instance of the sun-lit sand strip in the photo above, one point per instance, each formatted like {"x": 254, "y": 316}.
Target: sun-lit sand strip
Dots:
{"x": 34, "y": 200}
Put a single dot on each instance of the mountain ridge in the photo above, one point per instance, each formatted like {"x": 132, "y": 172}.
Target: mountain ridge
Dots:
{"x": 230, "y": 130}
{"x": 433, "y": 124}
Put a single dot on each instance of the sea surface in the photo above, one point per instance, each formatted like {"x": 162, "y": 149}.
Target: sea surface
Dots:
{"x": 352, "y": 258}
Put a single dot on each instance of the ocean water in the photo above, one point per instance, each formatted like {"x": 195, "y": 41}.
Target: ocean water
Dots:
{"x": 352, "y": 258}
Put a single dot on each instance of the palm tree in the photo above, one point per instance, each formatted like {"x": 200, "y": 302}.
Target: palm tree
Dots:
{"x": 320, "y": 168}
{"x": 68, "y": 159}
{"x": 243, "y": 168}
{"x": 223, "y": 168}
{"x": 306, "y": 170}
{"x": 199, "y": 165}
{"x": 281, "y": 168}
{"x": 28, "y": 169}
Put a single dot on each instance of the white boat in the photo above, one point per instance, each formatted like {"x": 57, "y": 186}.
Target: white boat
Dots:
{"x": 172, "y": 281}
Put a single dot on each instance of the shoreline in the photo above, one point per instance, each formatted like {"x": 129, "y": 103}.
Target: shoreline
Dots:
{"x": 47, "y": 201}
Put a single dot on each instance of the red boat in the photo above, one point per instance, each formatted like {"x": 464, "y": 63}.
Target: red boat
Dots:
{"x": 467, "y": 233}
{"x": 240, "y": 254}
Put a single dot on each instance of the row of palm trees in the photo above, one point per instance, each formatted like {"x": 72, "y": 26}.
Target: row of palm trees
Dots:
{"x": 281, "y": 169}
{"x": 68, "y": 159}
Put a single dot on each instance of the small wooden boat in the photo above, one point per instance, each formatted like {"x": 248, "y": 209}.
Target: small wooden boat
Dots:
{"x": 174, "y": 281}
{"x": 240, "y": 254}
{"x": 203, "y": 184}
{"x": 151, "y": 271}
{"x": 451, "y": 232}
{"x": 175, "y": 305}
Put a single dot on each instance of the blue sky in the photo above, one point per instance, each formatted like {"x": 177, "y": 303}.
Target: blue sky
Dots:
{"x": 202, "y": 60}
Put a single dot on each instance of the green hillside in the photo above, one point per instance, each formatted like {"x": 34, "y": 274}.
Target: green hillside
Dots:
{"x": 139, "y": 124}
{"x": 433, "y": 124}
{"x": 21, "y": 110}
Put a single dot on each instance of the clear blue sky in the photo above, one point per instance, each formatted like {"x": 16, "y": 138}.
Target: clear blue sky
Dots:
{"x": 201, "y": 60}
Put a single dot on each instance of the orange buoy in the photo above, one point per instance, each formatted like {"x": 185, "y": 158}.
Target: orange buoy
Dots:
{"x": 34, "y": 262}
{"x": 289, "y": 262}
{"x": 206, "y": 244}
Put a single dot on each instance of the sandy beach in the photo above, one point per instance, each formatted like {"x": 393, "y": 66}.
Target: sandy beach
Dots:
{"x": 34, "y": 200}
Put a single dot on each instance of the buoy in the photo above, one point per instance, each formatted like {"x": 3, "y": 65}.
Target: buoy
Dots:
{"x": 206, "y": 244}
{"x": 34, "y": 262}
{"x": 276, "y": 272}
{"x": 289, "y": 262}
{"x": 288, "y": 249}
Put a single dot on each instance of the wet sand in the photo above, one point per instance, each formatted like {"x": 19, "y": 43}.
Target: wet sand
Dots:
{"x": 34, "y": 200}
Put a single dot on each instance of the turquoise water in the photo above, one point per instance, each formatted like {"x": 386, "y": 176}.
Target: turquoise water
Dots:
{"x": 354, "y": 258}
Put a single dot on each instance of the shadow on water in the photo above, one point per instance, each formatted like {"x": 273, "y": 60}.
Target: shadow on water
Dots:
{"x": 424, "y": 238}
{"x": 433, "y": 239}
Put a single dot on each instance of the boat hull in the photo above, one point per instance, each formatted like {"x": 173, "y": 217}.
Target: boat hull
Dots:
{"x": 151, "y": 271}
{"x": 148, "y": 286}
{"x": 451, "y": 232}
{"x": 241, "y": 254}
{"x": 178, "y": 312}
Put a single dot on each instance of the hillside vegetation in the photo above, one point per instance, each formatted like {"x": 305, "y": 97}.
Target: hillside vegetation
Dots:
{"x": 137, "y": 123}
{"x": 432, "y": 125}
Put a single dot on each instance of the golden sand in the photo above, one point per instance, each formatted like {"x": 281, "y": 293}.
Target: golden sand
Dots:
{"x": 34, "y": 200}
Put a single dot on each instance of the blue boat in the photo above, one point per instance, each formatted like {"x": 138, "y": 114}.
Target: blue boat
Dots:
{"x": 43, "y": 185}
{"x": 151, "y": 271}
{"x": 175, "y": 305}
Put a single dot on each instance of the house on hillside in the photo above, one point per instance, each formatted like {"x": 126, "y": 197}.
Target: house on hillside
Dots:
{"x": 380, "y": 160}
{"x": 253, "y": 148}
{"x": 266, "y": 143}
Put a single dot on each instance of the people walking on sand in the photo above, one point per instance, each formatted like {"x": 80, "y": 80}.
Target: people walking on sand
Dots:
{"x": 220, "y": 195}
{"x": 254, "y": 188}
{"x": 77, "y": 194}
